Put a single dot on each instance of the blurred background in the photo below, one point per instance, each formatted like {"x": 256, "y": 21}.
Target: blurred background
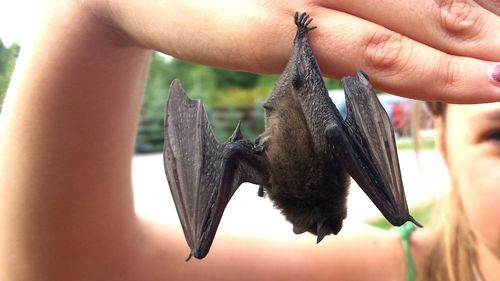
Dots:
{"x": 228, "y": 97}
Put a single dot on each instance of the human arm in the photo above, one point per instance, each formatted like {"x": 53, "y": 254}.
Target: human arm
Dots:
{"x": 67, "y": 131}
{"x": 432, "y": 50}
{"x": 358, "y": 252}
{"x": 68, "y": 125}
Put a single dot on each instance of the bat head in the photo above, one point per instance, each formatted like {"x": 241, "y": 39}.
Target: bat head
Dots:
{"x": 320, "y": 215}
{"x": 320, "y": 227}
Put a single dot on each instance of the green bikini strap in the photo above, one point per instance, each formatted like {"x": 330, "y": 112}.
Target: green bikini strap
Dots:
{"x": 404, "y": 233}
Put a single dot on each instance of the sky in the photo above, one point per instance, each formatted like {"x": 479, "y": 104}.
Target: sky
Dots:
{"x": 16, "y": 18}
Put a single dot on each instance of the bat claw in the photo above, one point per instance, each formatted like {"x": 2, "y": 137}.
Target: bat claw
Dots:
{"x": 414, "y": 221}
{"x": 237, "y": 133}
{"x": 302, "y": 21}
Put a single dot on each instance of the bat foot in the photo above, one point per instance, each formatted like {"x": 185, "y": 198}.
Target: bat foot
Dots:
{"x": 302, "y": 21}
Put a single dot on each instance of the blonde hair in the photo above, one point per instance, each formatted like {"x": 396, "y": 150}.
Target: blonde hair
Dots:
{"x": 453, "y": 255}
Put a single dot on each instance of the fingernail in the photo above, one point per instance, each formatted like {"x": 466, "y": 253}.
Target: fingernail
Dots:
{"x": 494, "y": 73}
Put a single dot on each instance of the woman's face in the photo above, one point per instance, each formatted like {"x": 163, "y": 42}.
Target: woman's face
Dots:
{"x": 471, "y": 147}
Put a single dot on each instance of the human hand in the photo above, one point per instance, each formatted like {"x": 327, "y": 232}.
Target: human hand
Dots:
{"x": 431, "y": 50}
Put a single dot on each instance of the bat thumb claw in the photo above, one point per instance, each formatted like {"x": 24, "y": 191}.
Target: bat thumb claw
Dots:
{"x": 237, "y": 133}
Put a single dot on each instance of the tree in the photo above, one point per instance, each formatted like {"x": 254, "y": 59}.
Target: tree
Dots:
{"x": 8, "y": 57}
{"x": 228, "y": 95}
{"x": 197, "y": 80}
{"x": 150, "y": 130}
{"x": 219, "y": 89}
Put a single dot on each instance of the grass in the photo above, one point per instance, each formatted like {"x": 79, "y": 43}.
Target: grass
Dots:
{"x": 422, "y": 214}
{"x": 407, "y": 144}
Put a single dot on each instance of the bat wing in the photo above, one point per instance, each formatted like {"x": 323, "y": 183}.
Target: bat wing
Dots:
{"x": 202, "y": 174}
{"x": 367, "y": 149}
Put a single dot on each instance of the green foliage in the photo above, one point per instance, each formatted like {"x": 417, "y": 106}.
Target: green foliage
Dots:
{"x": 8, "y": 58}
{"x": 227, "y": 79}
{"x": 422, "y": 214}
{"x": 407, "y": 144}
{"x": 228, "y": 96}
{"x": 225, "y": 119}
{"x": 333, "y": 84}
{"x": 150, "y": 130}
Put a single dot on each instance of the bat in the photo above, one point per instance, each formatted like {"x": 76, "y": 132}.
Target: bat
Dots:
{"x": 302, "y": 161}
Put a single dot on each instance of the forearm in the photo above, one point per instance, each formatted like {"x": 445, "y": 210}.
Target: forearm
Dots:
{"x": 66, "y": 139}
{"x": 243, "y": 35}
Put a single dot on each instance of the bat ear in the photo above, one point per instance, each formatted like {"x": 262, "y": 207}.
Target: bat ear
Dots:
{"x": 298, "y": 230}
{"x": 236, "y": 134}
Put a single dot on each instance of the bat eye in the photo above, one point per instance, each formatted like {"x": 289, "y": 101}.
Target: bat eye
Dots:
{"x": 297, "y": 81}
{"x": 267, "y": 106}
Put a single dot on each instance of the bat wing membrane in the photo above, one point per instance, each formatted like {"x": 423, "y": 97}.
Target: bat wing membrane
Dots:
{"x": 202, "y": 174}
{"x": 372, "y": 138}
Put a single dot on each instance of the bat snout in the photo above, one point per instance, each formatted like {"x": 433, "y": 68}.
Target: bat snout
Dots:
{"x": 327, "y": 226}
{"x": 321, "y": 227}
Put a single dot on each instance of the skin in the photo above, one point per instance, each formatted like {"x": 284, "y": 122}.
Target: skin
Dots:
{"x": 449, "y": 54}
{"x": 474, "y": 130}
{"x": 68, "y": 125}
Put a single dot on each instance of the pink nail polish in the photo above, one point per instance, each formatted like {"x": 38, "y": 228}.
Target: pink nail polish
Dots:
{"x": 494, "y": 73}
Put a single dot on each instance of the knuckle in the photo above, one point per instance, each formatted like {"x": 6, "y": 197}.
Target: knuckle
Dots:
{"x": 382, "y": 50}
{"x": 459, "y": 18}
{"x": 450, "y": 71}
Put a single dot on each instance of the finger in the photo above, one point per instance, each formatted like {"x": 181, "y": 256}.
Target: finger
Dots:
{"x": 459, "y": 27}
{"x": 344, "y": 44}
